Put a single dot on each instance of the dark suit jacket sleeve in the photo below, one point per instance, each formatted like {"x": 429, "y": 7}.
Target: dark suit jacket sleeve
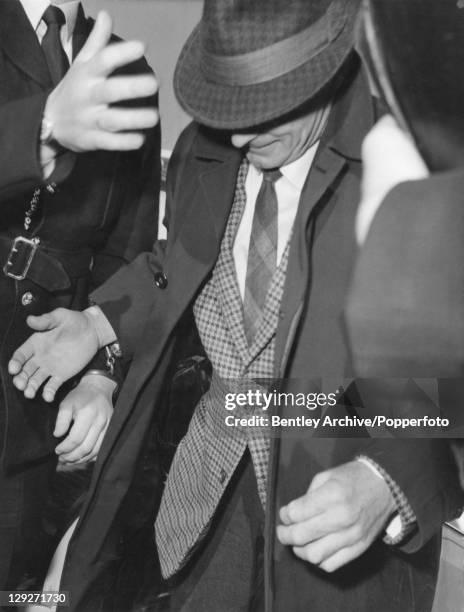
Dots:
{"x": 19, "y": 151}
{"x": 135, "y": 228}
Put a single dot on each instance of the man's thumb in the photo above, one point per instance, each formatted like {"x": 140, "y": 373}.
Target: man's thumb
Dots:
{"x": 43, "y": 322}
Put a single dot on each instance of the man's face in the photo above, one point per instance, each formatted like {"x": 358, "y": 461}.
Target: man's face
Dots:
{"x": 280, "y": 144}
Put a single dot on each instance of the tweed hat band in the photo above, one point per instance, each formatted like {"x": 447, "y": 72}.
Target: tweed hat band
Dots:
{"x": 278, "y": 59}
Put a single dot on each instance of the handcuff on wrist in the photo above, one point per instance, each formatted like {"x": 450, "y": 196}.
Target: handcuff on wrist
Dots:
{"x": 112, "y": 352}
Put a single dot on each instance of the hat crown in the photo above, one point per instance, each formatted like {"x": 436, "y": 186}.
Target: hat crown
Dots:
{"x": 249, "y": 62}
{"x": 235, "y": 27}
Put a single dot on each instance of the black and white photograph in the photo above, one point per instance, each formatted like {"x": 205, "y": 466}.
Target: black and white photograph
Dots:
{"x": 232, "y": 305}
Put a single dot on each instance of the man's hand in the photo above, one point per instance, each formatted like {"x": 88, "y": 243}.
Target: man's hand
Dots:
{"x": 65, "y": 344}
{"x": 89, "y": 407}
{"x": 340, "y": 516}
{"x": 80, "y": 107}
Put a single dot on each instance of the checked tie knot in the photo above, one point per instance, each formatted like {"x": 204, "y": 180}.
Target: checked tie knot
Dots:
{"x": 271, "y": 176}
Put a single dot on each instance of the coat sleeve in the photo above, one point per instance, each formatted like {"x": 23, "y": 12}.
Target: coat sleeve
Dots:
{"x": 129, "y": 296}
{"x": 19, "y": 152}
{"x": 135, "y": 227}
{"x": 136, "y": 190}
{"x": 422, "y": 466}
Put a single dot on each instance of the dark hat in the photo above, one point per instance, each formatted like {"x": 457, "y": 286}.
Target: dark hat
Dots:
{"x": 252, "y": 61}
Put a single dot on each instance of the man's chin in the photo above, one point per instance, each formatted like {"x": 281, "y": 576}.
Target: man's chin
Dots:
{"x": 262, "y": 162}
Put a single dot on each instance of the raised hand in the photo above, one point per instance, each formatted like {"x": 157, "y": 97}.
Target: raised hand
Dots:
{"x": 339, "y": 517}
{"x": 65, "y": 343}
{"x": 84, "y": 415}
{"x": 80, "y": 107}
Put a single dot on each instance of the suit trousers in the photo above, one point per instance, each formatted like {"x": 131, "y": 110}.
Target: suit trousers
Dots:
{"x": 226, "y": 573}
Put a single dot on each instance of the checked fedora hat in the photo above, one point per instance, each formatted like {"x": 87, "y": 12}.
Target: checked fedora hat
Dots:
{"x": 249, "y": 62}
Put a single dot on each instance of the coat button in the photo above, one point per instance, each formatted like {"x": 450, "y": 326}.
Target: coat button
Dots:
{"x": 161, "y": 280}
{"x": 223, "y": 476}
{"x": 27, "y": 298}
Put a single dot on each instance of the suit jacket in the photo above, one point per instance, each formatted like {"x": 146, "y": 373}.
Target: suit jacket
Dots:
{"x": 104, "y": 211}
{"x": 311, "y": 351}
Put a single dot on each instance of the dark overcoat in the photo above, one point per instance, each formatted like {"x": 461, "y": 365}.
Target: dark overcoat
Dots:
{"x": 311, "y": 353}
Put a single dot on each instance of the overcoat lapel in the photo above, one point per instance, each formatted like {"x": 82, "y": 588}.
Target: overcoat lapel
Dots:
{"x": 326, "y": 168}
{"x": 20, "y": 42}
{"x": 351, "y": 117}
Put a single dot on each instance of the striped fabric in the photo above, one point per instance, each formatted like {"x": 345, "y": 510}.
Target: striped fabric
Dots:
{"x": 209, "y": 453}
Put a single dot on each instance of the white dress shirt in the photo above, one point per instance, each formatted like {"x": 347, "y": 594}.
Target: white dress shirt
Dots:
{"x": 288, "y": 190}
{"x": 35, "y": 9}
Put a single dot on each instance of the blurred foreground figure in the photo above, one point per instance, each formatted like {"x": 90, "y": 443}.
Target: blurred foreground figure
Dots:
{"x": 405, "y": 314}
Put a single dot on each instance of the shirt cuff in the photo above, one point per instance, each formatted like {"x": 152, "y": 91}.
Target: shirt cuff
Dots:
{"x": 102, "y": 326}
{"x": 405, "y": 520}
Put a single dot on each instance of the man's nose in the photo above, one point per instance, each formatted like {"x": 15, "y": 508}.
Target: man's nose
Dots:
{"x": 241, "y": 140}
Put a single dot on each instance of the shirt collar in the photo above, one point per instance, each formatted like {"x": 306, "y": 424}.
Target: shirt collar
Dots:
{"x": 34, "y": 10}
{"x": 297, "y": 171}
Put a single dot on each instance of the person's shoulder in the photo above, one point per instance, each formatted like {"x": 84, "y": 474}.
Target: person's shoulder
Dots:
{"x": 195, "y": 145}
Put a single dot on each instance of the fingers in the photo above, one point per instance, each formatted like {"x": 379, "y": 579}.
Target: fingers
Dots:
{"x": 51, "y": 388}
{"x": 303, "y": 508}
{"x": 63, "y": 419}
{"x": 81, "y": 443}
{"x": 120, "y": 88}
{"x": 119, "y": 142}
{"x": 331, "y": 553}
{"x": 34, "y": 383}
{"x": 98, "y": 39}
{"x": 30, "y": 379}
{"x": 118, "y": 120}
{"x": 300, "y": 534}
{"x": 116, "y": 55}
{"x": 20, "y": 357}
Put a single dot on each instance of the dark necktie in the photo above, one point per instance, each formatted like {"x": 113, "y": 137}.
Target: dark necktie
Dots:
{"x": 262, "y": 254}
{"x": 57, "y": 59}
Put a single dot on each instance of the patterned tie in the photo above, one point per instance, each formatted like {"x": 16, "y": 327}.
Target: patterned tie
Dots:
{"x": 262, "y": 254}
{"x": 57, "y": 59}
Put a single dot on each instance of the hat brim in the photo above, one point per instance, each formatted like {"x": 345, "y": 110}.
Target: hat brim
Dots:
{"x": 242, "y": 107}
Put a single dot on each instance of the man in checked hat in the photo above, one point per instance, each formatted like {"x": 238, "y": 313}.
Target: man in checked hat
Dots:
{"x": 263, "y": 189}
